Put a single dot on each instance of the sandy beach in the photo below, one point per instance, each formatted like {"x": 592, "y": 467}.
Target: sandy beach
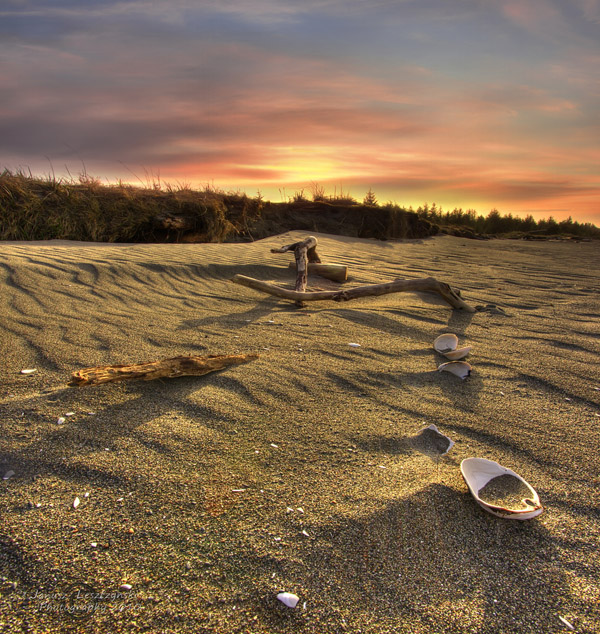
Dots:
{"x": 202, "y": 498}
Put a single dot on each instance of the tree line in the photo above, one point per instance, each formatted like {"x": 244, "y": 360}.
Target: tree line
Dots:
{"x": 496, "y": 223}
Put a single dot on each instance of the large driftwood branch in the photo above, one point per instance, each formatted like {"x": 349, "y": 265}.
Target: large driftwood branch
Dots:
{"x": 165, "y": 368}
{"x": 429, "y": 284}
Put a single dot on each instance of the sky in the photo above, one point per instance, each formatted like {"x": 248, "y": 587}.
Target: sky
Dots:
{"x": 478, "y": 104}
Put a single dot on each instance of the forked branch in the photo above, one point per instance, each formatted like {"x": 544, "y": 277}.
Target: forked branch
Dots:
{"x": 428, "y": 284}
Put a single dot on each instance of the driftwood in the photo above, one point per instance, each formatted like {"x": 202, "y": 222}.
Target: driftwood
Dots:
{"x": 304, "y": 252}
{"x": 165, "y": 368}
{"x": 309, "y": 244}
{"x": 334, "y": 272}
{"x": 429, "y": 284}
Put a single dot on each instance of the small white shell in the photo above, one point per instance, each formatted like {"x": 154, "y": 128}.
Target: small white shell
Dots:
{"x": 29, "y": 371}
{"x": 566, "y": 623}
{"x": 446, "y": 343}
{"x": 289, "y": 599}
{"x": 459, "y": 353}
{"x": 125, "y": 587}
{"x": 460, "y": 368}
{"x": 76, "y": 503}
{"x": 354, "y": 345}
{"x": 477, "y": 472}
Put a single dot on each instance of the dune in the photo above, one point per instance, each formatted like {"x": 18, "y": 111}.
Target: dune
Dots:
{"x": 201, "y": 498}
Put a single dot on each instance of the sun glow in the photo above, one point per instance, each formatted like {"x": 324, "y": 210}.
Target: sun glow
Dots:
{"x": 309, "y": 163}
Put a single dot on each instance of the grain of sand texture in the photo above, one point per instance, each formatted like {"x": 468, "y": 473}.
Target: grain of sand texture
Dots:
{"x": 297, "y": 472}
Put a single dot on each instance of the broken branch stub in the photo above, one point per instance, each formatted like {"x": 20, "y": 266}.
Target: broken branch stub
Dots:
{"x": 165, "y": 368}
{"x": 311, "y": 249}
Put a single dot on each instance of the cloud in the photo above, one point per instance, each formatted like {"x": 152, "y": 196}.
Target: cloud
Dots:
{"x": 439, "y": 98}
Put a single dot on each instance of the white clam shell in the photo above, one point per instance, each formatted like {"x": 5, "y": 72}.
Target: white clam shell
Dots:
{"x": 460, "y": 368}
{"x": 477, "y": 472}
{"x": 459, "y": 353}
{"x": 289, "y": 599}
{"x": 446, "y": 343}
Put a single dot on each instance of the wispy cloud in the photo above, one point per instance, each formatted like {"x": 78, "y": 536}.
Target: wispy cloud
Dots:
{"x": 468, "y": 102}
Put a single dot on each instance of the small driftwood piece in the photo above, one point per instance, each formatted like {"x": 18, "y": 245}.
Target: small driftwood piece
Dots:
{"x": 429, "y": 284}
{"x": 334, "y": 272}
{"x": 165, "y": 368}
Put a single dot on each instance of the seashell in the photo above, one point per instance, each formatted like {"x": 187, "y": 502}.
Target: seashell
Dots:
{"x": 125, "y": 587}
{"x": 446, "y": 343}
{"x": 460, "y": 368}
{"x": 433, "y": 441}
{"x": 8, "y": 475}
{"x": 289, "y": 599}
{"x": 480, "y": 472}
{"x": 61, "y": 420}
{"x": 459, "y": 353}
{"x": 354, "y": 345}
{"x": 76, "y": 503}
{"x": 29, "y": 371}
{"x": 566, "y": 623}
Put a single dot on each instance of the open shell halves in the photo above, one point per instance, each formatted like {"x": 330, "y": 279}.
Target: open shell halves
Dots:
{"x": 479, "y": 472}
{"x": 459, "y": 353}
{"x": 460, "y": 368}
{"x": 447, "y": 344}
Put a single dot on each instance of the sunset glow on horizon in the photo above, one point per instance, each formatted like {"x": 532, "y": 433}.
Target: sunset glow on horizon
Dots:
{"x": 466, "y": 103}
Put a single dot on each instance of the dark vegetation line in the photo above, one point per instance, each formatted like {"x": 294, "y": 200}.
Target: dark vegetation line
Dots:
{"x": 33, "y": 208}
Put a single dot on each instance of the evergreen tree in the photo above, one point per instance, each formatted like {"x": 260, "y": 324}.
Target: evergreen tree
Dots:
{"x": 370, "y": 199}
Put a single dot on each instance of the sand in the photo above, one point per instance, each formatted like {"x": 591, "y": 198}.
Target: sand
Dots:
{"x": 298, "y": 472}
{"x": 506, "y": 491}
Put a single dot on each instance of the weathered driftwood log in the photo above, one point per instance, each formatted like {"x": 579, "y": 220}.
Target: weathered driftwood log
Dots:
{"x": 429, "y": 284}
{"x": 165, "y": 368}
{"x": 334, "y": 272}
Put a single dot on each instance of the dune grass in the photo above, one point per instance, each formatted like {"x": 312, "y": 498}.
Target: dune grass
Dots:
{"x": 44, "y": 209}
{"x": 85, "y": 209}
